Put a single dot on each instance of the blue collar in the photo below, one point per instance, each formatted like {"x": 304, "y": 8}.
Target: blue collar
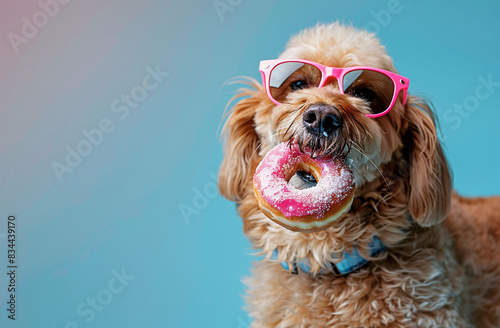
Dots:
{"x": 351, "y": 262}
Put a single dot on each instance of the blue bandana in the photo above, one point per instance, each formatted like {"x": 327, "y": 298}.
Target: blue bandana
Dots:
{"x": 351, "y": 262}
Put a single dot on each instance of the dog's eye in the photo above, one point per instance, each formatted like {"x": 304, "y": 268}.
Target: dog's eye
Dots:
{"x": 365, "y": 94}
{"x": 308, "y": 177}
{"x": 297, "y": 85}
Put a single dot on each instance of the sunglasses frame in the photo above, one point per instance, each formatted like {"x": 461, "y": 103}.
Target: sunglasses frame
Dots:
{"x": 400, "y": 82}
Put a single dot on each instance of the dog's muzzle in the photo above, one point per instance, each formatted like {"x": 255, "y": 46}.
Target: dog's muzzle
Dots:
{"x": 321, "y": 120}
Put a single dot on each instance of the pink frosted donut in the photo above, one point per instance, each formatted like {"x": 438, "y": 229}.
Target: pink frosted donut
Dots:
{"x": 304, "y": 210}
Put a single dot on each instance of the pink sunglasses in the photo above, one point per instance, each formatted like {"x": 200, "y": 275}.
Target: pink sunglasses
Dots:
{"x": 380, "y": 88}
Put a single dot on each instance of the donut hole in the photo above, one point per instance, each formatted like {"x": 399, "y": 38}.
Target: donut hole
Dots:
{"x": 303, "y": 176}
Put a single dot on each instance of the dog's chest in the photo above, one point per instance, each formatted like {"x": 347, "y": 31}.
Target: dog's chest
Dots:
{"x": 368, "y": 297}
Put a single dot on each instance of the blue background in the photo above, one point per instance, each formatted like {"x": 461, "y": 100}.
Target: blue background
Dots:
{"x": 120, "y": 208}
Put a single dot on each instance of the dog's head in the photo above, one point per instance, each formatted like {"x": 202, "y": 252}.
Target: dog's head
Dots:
{"x": 398, "y": 163}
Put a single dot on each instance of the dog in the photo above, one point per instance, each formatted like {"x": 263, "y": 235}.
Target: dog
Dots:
{"x": 439, "y": 259}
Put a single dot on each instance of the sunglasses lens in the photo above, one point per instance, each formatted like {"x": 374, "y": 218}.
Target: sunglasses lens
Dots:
{"x": 374, "y": 87}
{"x": 286, "y": 78}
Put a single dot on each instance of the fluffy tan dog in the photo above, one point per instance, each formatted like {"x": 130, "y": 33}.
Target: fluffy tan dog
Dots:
{"x": 441, "y": 262}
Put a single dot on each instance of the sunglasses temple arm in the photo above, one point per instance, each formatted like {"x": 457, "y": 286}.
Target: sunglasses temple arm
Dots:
{"x": 404, "y": 96}
{"x": 264, "y": 82}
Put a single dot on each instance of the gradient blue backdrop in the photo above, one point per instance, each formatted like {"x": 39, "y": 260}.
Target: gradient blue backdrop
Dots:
{"x": 119, "y": 209}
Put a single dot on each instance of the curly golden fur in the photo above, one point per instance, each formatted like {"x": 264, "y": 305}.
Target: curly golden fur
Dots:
{"x": 442, "y": 265}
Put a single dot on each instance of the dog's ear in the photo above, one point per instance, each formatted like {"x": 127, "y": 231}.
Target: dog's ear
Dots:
{"x": 240, "y": 144}
{"x": 429, "y": 185}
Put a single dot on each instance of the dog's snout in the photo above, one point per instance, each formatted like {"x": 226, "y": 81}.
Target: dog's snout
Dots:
{"x": 321, "y": 119}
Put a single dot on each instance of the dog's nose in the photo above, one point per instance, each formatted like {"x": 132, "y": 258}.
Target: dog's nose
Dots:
{"x": 321, "y": 119}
